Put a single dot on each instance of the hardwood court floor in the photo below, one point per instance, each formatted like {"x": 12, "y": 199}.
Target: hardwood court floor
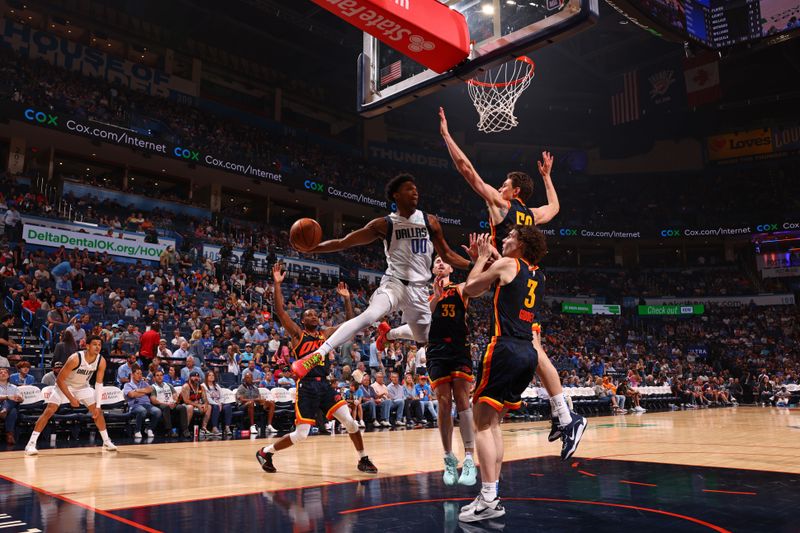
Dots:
{"x": 747, "y": 438}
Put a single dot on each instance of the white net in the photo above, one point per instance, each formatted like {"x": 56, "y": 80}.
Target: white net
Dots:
{"x": 496, "y": 91}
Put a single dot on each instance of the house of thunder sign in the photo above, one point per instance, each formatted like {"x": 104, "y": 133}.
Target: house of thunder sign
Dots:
{"x": 75, "y": 240}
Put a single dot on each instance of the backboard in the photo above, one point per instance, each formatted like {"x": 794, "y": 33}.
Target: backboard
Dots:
{"x": 501, "y": 31}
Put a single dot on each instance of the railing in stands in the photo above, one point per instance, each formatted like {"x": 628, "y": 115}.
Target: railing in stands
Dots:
{"x": 46, "y": 337}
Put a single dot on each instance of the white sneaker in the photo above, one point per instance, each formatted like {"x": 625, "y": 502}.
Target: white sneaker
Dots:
{"x": 254, "y": 430}
{"x": 361, "y": 424}
{"x": 271, "y": 429}
{"x": 137, "y": 435}
{"x": 109, "y": 446}
{"x": 30, "y": 449}
{"x": 385, "y": 423}
{"x": 482, "y": 510}
{"x": 376, "y": 424}
{"x": 471, "y": 505}
{"x": 150, "y": 434}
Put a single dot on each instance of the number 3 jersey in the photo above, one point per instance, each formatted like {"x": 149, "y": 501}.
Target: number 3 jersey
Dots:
{"x": 408, "y": 247}
{"x": 516, "y": 303}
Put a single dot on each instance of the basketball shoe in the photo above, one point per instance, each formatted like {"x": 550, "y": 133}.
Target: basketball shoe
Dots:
{"x": 265, "y": 460}
{"x": 383, "y": 330}
{"x": 482, "y": 510}
{"x": 469, "y": 473}
{"x": 555, "y": 430}
{"x": 571, "y": 436}
{"x": 303, "y": 366}
{"x": 450, "y": 476}
{"x": 365, "y": 465}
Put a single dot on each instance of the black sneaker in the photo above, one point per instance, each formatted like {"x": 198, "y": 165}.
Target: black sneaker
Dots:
{"x": 571, "y": 436}
{"x": 265, "y": 460}
{"x": 365, "y": 465}
{"x": 555, "y": 430}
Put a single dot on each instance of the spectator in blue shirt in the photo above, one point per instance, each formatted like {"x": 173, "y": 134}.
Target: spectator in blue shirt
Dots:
{"x": 367, "y": 396}
{"x": 124, "y": 371}
{"x": 137, "y": 391}
{"x": 258, "y": 375}
{"x": 286, "y": 380}
{"x": 96, "y": 300}
{"x": 424, "y": 393}
{"x": 189, "y": 368}
{"x": 22, "y": 376}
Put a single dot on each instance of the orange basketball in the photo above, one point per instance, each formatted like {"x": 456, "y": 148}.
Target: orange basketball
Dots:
{"x": 305, "y": 234}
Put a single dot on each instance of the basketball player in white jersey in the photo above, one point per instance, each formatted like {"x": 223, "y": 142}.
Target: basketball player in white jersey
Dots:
{"x": 507, "y": 208}
{"x": 79, "y": 382}
{"x": 410, "y": 238}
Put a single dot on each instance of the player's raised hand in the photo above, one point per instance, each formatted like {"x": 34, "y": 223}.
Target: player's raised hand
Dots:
{"x": 472, "y": 249}
{"x": 546, "y": 165}
{"x": 278, "y": 274}
{"x": 485, "y": 246}
{"x": 438, "y": 288}
{"x": 342, "y": 290}
{"x": 443, "y": 130}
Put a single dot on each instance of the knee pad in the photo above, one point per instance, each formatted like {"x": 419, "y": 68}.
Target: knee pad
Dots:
{"x": 351, "y": 426}
{"x": 342, "y": 414}
{"x": 300, "y": 433}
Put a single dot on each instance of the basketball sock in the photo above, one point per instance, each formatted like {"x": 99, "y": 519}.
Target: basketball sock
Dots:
{"x": 379, "y": 306}
{"x": 402, "y": 332}
{"x": 489, "y": 491}
{"x": 268, "y": 449}
{"x": 362, "y": 453}
{"x": 558, "y": 406}
{"x": 34, "y": 438}
{"x": 466, "y": 429}
{"x": 104, "y": 435}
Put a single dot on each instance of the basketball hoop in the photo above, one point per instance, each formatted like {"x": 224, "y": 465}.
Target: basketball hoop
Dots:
{"x": 495, "y": 94}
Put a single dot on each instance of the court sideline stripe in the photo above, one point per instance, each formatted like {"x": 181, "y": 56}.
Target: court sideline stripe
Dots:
{"x": 730, "y": 492}
{"x": 101, "y": 512}
{"x": 552, "y": 500}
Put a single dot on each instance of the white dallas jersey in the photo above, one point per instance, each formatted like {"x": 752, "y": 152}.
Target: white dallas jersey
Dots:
{"x": 80, "y": 377}
{"x": 408, "y": 247}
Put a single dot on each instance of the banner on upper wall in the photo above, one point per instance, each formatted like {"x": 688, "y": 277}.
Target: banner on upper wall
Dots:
{"x": 123, "y": 137}
{"x": 733, "y": 301}
{"x": 406, "y": 156}
{"x": 372, "y": 276}
{"x": 573, "y": 308}
{"x": 786, "y": 138}
{"x": 293, "y": 264}
{"x": 671, "y": 310}
{"x": 740, "y": 144}
{"x": 78, "y": 240}
{"x": 76, "y": 57}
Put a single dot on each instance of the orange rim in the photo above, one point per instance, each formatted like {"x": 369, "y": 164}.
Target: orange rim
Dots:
{"x": 524, "y": 59}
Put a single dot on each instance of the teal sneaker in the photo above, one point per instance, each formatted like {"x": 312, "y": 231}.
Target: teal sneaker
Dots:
{"x": 450, "y": 476}
{"x": 469, "y": 473}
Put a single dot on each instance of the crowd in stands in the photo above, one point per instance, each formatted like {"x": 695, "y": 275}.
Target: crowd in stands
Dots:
{"x": 765, "y": 191}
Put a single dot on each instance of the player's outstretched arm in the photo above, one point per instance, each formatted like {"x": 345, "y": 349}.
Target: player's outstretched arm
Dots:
{"x": 464, "y": 166}
{"x": 546, "y": 213}
{"x": 374, "y": 230}
{"x": 442, "y": 248}
{"x": 278, "y": 275}
{"x": 343, "y": 291}
{"x": 480, "y": 280}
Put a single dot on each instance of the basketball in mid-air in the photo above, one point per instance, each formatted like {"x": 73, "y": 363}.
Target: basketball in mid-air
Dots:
{"x": 305, "y": 234}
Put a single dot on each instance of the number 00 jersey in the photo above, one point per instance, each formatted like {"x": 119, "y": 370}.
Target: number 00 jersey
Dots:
{"x": 515, "y": 304}
{"x": 408, "y": 247}
{"x": 449, "y": 321}
{"x": 518, "y": 213}
{"x": 309, "y": 342}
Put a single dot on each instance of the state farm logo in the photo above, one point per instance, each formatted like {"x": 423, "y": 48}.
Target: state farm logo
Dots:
{"x": 418, "y": 44}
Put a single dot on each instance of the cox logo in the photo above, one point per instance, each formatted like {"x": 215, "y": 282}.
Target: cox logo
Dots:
{"x": 185, "y": 153}
{"x": 568, "y": 233}
{"x": 484, "y": 225}
{"x": 41, "y": 117}
{"x": 767, "y": 227}
{"x": 313, "y": 186}
{"x": 670, "y": 233}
